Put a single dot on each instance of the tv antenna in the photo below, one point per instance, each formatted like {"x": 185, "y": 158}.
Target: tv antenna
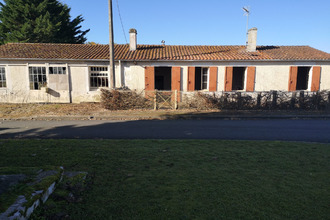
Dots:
{"x": 246, "y": 9}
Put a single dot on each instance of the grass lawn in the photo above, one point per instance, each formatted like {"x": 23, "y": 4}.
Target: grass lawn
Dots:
{"x": 193, "y": 179}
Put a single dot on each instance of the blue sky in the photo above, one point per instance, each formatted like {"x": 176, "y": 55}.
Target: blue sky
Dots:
{"x": 209, "y": 22}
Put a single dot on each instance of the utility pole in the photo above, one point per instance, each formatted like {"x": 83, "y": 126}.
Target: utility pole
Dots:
{"x": 111, "y": 48}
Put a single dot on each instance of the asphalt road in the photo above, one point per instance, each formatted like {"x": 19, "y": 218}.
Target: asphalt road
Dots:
{"x": 316, "y": 130}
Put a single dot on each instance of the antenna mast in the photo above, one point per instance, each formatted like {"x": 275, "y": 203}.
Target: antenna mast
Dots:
{"x": 247, "y": 14}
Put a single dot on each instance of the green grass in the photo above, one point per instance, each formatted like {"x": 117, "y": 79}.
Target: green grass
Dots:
{"x": 173, "y": 179}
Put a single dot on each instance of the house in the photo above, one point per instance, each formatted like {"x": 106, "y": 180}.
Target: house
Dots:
{"x": 66, "y": 73}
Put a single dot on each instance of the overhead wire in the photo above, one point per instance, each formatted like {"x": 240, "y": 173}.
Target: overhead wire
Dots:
{"x": 121, "y": 21}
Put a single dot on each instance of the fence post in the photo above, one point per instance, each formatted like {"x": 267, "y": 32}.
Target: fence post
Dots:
{"x": 301, "y": 99}
{"x": 239, "y": 100}
{"x": 259, "y": 100}
{"x": 155, "y": 100}
{"x": 293, "y": 100}
{"x": 176, "y": 99}
{"x": 274, "y": 101}
{"x": 316, "y": 100}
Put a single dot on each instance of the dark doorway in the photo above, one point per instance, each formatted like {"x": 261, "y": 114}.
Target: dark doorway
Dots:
{"x": 302, "y": 78}
{"x": 163, "y": 77}
{"x": 238, "y": 78}
{"x": 198, "y": 78}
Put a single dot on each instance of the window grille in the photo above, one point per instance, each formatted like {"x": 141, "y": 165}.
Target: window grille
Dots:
{"x": 3, "y": 83}
{"x": 99, "y": 77}
{"x": 38, "y": 77}
{"x": 57, "y": 70}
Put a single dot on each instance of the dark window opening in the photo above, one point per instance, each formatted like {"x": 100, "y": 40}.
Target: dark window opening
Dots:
{"x": 302, "y": 78}
{"x": 238, "y": 78}
{"x": 201, "y": 77}
{"x": 163, "y": 77}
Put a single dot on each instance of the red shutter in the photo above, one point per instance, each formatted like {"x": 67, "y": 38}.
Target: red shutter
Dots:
{"x": 191, "y": 78}
{"x": 149, "y": 78}
{"x": 176, "y": 78}
{"x": 213, "y": 79}
{"x": 250, "y": 78}
{"x": 229, "y": 79}
{"x": 293, "y": 78}
{"x": 316, "y": 79}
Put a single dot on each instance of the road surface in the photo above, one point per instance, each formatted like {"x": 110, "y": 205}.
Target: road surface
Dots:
{"x": 316, "y": 130}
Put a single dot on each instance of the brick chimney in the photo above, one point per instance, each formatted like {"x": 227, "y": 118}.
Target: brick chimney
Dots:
{"x": 251, "y": 45}
{"x": 132, "y": 39}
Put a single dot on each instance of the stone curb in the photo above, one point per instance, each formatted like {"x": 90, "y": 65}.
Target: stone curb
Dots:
{"x": 174, "y": 117}
{"x": 18, "y": 211}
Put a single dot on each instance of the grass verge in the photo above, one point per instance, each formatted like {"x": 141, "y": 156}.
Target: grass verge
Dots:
{"x": 191, "y": 179}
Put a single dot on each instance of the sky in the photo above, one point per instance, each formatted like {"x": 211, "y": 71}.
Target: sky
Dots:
{"x": 208, "y": 22}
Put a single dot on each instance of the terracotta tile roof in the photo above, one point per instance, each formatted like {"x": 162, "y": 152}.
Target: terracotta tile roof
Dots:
{"x": 158, "y": 52}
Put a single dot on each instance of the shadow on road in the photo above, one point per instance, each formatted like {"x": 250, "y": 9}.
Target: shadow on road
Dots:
{"x": 286, "y": 130}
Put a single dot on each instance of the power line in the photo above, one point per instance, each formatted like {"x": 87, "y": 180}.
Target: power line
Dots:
{"x": 121, "y": 21}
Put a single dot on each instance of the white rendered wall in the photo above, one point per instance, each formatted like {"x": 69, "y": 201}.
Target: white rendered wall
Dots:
{"x": 325, "y": 77}
{"x": 272, "y": 78}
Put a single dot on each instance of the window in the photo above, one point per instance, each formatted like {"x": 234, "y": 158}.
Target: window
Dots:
{"x": 99, "y": 77}
{"x": 3, "y": 77}
{"x": 302, "y": 78}
{"x": 201, "y": 78}
{"x": 238, "y": 78}
{"x": 57, "y": 70}
{"x": 38, "y": 77}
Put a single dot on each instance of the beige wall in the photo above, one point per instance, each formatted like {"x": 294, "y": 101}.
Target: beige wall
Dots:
{"x": 134, "y": 77}
{"x": 272, "y": 78}
{"x": 325, "y": 78}
{"x": 269, "y": 76}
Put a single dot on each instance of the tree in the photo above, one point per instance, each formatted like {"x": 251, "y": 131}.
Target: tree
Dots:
{"x": 39, "y": 21}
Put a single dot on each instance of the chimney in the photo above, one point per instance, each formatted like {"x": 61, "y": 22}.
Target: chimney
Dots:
{"x": 132, "y": 39}
{"x": 251, "y": 44}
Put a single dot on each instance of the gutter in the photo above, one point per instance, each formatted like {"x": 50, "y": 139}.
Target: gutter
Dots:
{"x": 148, "y": 60}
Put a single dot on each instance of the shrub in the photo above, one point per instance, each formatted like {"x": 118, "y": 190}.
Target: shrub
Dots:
{"x": 122, "y": 100}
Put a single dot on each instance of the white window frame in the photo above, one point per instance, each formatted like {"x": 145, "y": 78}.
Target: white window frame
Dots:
{"x": 207, "y": 77}
{"x": 3, "y": 77}
{"x": 44, "y": 83}
{"x": 98, "y": 72}
{"x": 63, "y": 68}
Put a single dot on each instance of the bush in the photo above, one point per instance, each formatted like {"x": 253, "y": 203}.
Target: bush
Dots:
{"x": 122, "y": 100}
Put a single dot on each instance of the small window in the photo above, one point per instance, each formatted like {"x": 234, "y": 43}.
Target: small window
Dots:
{"x": 99, "y": 77}
{"x": 37, "y": 77}
{"x": 238, "y": 78}
{"x": 3, "y": 83}
{"x": 57, "y": 70}
{"x": 201, "y": 78}
{"x": 302, "y": 78}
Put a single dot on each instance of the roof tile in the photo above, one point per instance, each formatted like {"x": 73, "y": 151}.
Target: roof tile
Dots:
{"x": 158, "y": 52}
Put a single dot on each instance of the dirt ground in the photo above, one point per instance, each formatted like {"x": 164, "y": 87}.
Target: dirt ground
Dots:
{"x": 90, "y": 111}
{"x": 81, "y": 111}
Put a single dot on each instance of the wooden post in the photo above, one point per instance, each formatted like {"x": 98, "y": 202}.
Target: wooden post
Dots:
{"x": 301, "y": 99}
{"x": 259, "y": 100}
{"x": 155, "y": 100}
{"x": 274, "y": 101}
{"x": 317, "y": 100}
{"x": 328, "y": 106}
{"x": 176, "y": 99}
{"x": 239, "y": 100}
{"x": 293, "y": 100}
